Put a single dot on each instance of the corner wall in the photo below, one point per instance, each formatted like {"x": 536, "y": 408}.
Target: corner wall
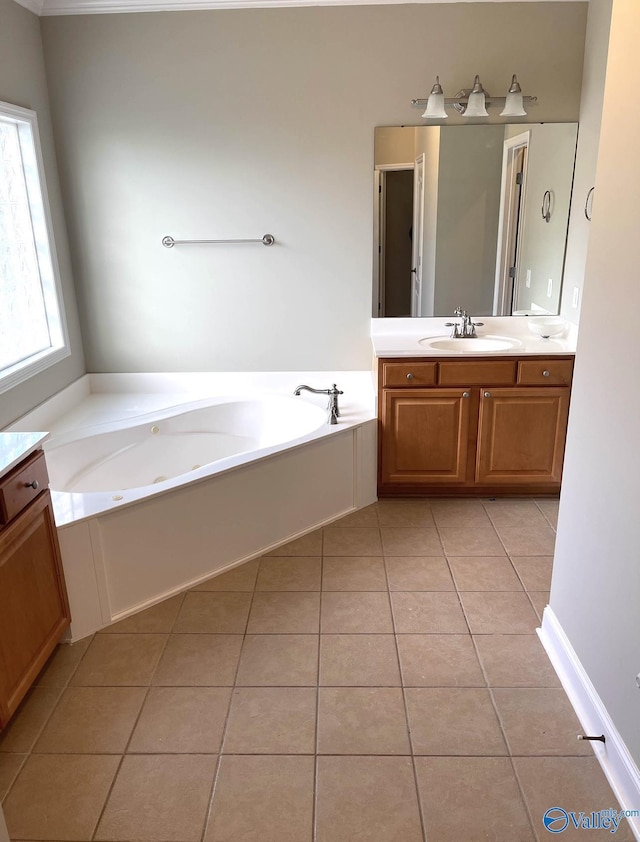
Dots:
{"x": 236, "y": 123}
{"x": 23, "y": 82}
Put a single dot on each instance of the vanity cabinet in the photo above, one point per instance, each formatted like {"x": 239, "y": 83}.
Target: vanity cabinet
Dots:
{"x": 472, "y": 425}
{"x": 34, "y": 610}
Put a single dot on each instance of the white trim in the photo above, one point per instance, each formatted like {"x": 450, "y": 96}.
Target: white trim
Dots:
{"x": 35, "y": 6}
{"x": 614, "y": 757}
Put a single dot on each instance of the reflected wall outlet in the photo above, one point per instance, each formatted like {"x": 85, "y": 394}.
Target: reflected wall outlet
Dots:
{"x": 527, "y": 282}
{"x": 550, "y": 288}
{"x": 638, "y": 680}
{"x": 575, "y": 300}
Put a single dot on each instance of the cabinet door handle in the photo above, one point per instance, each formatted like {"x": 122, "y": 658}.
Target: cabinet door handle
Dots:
{"x": 546, "y": 373}
{"x": 487, "y": 394}
{"x": 465, "y": 394}
{"x": 409, "y": 376}
{"x": 33, "y": 485}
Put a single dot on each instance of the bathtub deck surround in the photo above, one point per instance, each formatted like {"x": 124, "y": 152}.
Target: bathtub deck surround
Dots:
{"x": 380, "y": 678}
{"x": 126, "y": 546}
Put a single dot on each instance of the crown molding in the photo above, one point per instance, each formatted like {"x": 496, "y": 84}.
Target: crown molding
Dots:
{"x": 106, "y": 7}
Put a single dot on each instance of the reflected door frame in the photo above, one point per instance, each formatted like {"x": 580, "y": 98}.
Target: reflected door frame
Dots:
{"x": 379, "y": 226}
{"x": 512, "y": 196}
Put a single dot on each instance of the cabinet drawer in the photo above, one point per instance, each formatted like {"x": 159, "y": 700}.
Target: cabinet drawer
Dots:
{"x": 545, "y": 372}
{"x": 397, "y": 375}
{"x": 22, "y": 485}
{"x": 480, "y": 373}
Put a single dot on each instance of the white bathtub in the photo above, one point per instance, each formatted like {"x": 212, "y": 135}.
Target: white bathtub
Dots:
{"x": 156, "y": 489}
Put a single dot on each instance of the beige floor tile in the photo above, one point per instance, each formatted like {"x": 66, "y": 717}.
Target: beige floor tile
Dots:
{"x": 363, "y": 517}
{"x": 59, "y": 796}
{"x": 515, "y": 660}
{"x": 362, "y": 720}
{"x": 155, "y": 620}
{"x": 439, "y": 660}
{"x": 405, "y": 513}
{"x": 480, "y": 573}
{"x": 181, "y": 720}
{"x": 356, "y": 612}
{"x": 24, "y": 729}
{"x": 310, "y": 544}
{"x": 418, "y": 573}
{"x": 92, "y": 720}
{"x": 213, "y": 613}
{"x": 157, "y": 797}
{"x": 354, "y": 573}
{"x": 289, "y": 573}
{"x": 120, "y": 659}
{"x": 465, "y": 513}
{"x": 263, "y": 799}
{"x": 549, "y": 509}
{"x": 369, "y": 799}
{"x": 10, "y": 765}
{"x": 199, "y": 660}
{"x": 511, "y": 512}
{"x": 501, "y": 612}
{"x": 427, "y": 613}
{"x": 271, "y": 720}
{"x": 539, "y": 721}
{"x": 410, "y": 540}
{"x": 240, "y": 578}
{"x": 360, "y": 540}
{"x": 62, "y": 664}
{"x": 574, "y": 784}
{"x": 289, "y": 612}
{"x": 471, "y": 799}
{"x": 453, "y": 721}
{"x": 474, "y": 541}
{"x": 540, "y": 600}
{"x": 279, "y": 660}
{"x": 526, "y": 541}
{"x": 535, "y": 571}
{"x": 359, "y": 660}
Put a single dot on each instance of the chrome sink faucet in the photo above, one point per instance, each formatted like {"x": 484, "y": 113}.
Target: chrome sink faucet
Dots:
{"x": 332, "y": 406}
{"x": 466, "y": 330}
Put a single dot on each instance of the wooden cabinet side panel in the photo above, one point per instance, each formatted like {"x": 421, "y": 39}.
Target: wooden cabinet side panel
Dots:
{"x": 34, "y": 611}
{"x": 424, "y": 436}
{"x": 521, "y": 436}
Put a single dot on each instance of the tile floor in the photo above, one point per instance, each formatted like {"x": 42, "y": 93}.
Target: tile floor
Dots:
{"x": 379, "y": 680}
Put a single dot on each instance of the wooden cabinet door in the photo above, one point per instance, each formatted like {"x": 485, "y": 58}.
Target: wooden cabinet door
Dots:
{"x": 34, "y": 611}
{"x": 425, "y": 436}
{"x": 521, "y": 436}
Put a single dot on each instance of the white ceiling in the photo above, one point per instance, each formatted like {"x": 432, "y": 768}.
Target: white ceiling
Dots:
{"x": 89, "y": 7}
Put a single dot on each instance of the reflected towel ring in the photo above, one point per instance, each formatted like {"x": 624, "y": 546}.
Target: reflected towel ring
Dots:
{"x": 546, "y": 206}
{"x": 586, "y": 204}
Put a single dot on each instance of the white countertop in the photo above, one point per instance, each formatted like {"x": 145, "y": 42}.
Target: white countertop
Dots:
{"x": 14, "y": 447}
{"x": 400, "y": 337}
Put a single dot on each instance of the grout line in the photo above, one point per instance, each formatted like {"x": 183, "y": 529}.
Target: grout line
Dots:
{"x": 314, "y": 795}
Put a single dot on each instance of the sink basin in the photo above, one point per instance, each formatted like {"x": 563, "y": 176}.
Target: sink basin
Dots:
{"x": 478, "y": 345}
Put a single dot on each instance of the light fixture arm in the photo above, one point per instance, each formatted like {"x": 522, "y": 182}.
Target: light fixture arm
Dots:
{"x": 462, "y": 99}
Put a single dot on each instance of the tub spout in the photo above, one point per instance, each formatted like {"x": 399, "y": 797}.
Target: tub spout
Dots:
{"x": 332, "y": 407}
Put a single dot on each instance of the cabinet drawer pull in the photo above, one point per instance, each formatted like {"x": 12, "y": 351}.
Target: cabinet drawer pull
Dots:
{"x": 409, "y": 376}
{"x": 546, "y": 373}
{"x": 33, "y": 485}
{"x": 487, "y": 394}
{"x": 465, "y": 394}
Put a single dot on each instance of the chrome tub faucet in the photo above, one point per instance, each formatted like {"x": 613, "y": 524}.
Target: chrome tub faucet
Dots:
{"x": 332, "y": 406}
{"x": 466, "y": 330}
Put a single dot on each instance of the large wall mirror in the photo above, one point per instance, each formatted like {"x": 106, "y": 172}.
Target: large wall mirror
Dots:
{"x": 471, "y": 216}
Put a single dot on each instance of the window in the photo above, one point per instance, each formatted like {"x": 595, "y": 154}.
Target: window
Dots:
{"x": 33, "y": 333}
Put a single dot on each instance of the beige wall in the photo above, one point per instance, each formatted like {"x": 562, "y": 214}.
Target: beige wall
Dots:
{"x": 23, "y": 82}
{"x": 596, "y": 578}
{"x": 241, "y": 122}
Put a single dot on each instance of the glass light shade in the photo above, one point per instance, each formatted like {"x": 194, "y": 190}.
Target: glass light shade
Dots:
{"x": 435, "y": 103}
{"x": 476, "y": 106}
{"x": 514, "y": 106}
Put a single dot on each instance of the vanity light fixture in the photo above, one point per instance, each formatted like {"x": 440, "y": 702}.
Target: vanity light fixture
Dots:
{"x": 473, "y": 102}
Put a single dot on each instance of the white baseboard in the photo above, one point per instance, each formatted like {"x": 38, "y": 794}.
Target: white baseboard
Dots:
{"x": 614, "y": 757}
